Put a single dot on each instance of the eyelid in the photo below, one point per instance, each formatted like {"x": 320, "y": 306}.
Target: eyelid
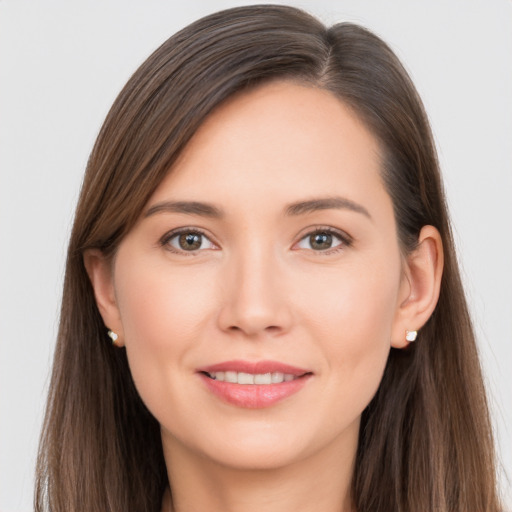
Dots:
{"x": 346, "y": 239}
{"x": 164, "y": 240}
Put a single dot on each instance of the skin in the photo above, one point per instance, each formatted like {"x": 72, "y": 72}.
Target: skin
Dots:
{"x": 257, "y": 289}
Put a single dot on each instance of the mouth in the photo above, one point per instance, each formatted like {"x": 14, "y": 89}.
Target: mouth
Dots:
{"x": 254, "y": 385}
{"x": 250, "y": 378}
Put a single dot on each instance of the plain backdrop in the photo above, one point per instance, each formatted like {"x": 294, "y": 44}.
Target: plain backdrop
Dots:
{"x": 63, "y": 62}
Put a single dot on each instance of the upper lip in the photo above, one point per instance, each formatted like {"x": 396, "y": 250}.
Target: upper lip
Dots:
{"x": 254, "y": 367}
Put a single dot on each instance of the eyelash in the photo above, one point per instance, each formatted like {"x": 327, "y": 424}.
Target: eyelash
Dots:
{"x": 164, "y": 241}
{"x": 345, "y": 240}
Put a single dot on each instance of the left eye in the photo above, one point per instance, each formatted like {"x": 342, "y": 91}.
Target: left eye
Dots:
{"x": 189, "y": 241}
{"x": 320, "y": 241}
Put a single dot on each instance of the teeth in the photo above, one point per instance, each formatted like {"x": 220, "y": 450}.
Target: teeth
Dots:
{"x": 228, "y": 376}
{"x": 263, "y": 378}
{"x": 277, "y": 378}
{"x": 245, "y": 378}
{"x": 250, "y": 378}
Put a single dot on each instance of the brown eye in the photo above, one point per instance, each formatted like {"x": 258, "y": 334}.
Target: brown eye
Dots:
{"x": 323, "y": 240}
{"x": 190, "y": 241}
{"x": 320, "y": 241}
{"x": 187, "y": 241}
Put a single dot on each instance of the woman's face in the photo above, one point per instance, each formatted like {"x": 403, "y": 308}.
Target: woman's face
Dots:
{"x": 268, "y": 254}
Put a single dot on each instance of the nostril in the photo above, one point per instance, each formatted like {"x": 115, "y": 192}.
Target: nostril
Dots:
{"x": 254, "y": 316}
{"x": 271, "y": 329}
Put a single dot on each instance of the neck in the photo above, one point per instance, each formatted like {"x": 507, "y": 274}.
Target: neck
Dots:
{"x": 318, "y": 483}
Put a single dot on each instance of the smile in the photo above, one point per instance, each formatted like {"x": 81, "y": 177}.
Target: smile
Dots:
{"x": 253, "y": 385}
{"x": 250, "y": 378}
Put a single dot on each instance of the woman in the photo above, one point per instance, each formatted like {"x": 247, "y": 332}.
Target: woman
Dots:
{"x": 262, "y": 307}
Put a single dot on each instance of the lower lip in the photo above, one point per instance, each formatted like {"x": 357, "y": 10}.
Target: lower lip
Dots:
{"x": 254, "y": 396}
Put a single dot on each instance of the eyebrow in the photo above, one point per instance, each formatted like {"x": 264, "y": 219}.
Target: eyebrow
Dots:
{"x": 187, "y": 207}
{"x": 326, "y": 203}
{"x": 294, "y": 209}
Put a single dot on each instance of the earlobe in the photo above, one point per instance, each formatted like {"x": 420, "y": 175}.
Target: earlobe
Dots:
{"x": 100, "y": 272}
{"x": 422, "y": 283}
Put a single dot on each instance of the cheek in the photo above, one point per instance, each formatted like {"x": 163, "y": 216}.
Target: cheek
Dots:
{"x": 159, "y": 306}
{"x": 352, "y": 322}
{"x": 162, "y": 314}
{"x": 357, "y": 301}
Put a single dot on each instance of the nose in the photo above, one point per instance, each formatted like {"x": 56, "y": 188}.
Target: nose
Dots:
{"x": 255, "y": 301}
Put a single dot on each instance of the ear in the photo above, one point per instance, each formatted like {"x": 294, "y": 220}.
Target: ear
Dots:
{"x": 100, "y": 271}
{"x": 421, "y": 283}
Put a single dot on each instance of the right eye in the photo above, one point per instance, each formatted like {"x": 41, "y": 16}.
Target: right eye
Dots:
{"x": 187, "y": 241}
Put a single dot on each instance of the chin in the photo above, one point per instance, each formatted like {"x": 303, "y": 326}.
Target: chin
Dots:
{"x": 243, "y": 445}
{"x": 258, "y": 457}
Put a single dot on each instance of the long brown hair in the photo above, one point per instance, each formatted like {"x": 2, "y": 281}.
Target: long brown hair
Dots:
{"x": 425, "y": 439}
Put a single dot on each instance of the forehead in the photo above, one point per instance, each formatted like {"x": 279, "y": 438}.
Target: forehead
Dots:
{"x": 281, "y": 139}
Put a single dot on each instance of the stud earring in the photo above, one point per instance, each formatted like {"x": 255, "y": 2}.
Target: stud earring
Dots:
{"x": 113, "y": 336}
{"x": 411, "y": 335}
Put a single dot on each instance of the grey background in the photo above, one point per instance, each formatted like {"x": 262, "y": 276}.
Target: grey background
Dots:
{"x": 63, "y": 62}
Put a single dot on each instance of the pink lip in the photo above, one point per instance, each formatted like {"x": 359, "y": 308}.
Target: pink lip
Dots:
{"x": 254, "y": 396}
{"x": 254, "y": 367}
